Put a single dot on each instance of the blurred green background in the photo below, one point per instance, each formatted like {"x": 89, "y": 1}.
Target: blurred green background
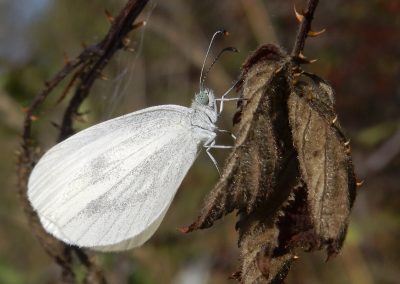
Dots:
{"x": 359, "y": 55}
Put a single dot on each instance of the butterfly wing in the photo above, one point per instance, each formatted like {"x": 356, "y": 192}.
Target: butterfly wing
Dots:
{"x": 108, "y": 187}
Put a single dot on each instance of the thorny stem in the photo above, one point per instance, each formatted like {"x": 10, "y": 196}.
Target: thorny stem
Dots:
{"x": 112, "y": 42}
{"x": 49, "y": 87}
{"x": 91, "y": 61}
{"x": 304, "y": 28}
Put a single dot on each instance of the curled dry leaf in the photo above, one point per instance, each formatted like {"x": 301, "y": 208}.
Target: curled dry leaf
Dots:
{"x": 290, "y": 175}
{"x": 263, "y": 145}
{"x": 324, "y": 159}
{"x": 262, "y": 170}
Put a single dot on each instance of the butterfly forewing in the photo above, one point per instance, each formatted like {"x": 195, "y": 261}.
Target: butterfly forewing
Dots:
{"x": 110, "y": 185}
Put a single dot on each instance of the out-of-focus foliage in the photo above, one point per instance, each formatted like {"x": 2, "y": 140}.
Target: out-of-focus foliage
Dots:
{"x": 359, "y": 55}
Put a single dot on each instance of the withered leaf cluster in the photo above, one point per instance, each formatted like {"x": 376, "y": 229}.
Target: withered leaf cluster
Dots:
{"x": 290, "y": 176}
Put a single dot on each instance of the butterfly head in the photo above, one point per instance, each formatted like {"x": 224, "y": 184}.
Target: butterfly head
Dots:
{"x": 204, "y": 102}
{"x": 205, "y": 98}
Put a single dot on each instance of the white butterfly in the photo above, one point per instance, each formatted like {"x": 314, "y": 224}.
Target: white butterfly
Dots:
{"x": 109, "y": 186}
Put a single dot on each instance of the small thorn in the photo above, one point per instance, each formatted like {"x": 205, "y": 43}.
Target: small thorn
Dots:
{"x": 24, "y": 109}
{"x": 184, "y": 230}
{"x": 126, "y": 41}
{"x": 103, "y": 77}
{"x": 47, "y": 83}
{"x": 295, "y": 257}
{"x": 299, "y": 16}
{"x": 130, "y": 49}
{"x": 109, "y": 17}
{"x": 347, "y": 143}
{"x": 81, "y": 118}
{"x": 66, "y": 58}
{"x": 297, "y": 74}
{"x": 232, "y": 49}
{"x": 139, "y": 24}
{"x": 278, "y": 70}
{"x": 82, "y": 113}
{"x": 301, "y": 59}
{"x": 360, "y": 183}
{"x": 335, "y": 119}
{"x": 314, "y": 34}
{"x": 54, "y": 124}
{"x": 33, "y": 117}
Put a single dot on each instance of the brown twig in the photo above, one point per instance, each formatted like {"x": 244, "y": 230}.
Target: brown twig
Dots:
{"x": 49, "y": 87}
{"x": 91, "y": 61}
{"x": 71, "y": 83}
{"x": 60, "y": 252}
{"x": 113, "y": 41}
{"x": 305, "y": 19}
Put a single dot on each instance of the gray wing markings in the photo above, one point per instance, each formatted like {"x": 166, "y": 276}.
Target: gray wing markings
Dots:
{"x": 67, "y": 200}
{"x": 72, "y": 160}
{"x": 110, "y": 212}
{"x": 139, "y": 210}
{"x": 131, "y": 224}
{"x": 100, "y": 129}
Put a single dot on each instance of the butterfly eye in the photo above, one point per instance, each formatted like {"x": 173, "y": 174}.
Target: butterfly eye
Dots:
{"x": 202, "y": 98}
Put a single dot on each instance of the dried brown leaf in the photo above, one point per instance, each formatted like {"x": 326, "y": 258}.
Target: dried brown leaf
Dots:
{"x": 265, "y": 257}
{"x": 290, "y": 175}
{"x": 263, "y": 143}
{"x": 261, "y": 171}
{"x": 324, "y": 159}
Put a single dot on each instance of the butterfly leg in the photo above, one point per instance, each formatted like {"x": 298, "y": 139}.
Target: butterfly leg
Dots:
{"x": 213, "y": 160}
{"x": 210, "y": 144}
{"x": 222, "y": 99}
{"x": 227, "y": 131}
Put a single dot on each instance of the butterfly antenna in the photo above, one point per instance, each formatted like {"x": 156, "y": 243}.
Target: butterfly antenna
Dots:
{"x": 231, "y": 49}
{"x": 208, "y": 51}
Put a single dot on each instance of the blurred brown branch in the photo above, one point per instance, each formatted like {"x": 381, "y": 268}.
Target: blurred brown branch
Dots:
{"x": 259, "y": 21}
{"x": 93, "y": 59}
{"x": 381, "y": 157}
{"x": 191, "y": 47}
